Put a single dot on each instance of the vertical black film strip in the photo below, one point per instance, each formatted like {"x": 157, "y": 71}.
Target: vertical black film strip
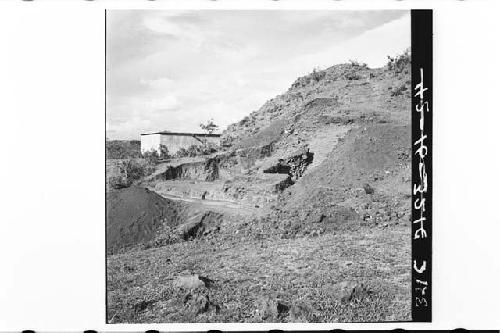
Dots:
{"x": 421, "y": 54}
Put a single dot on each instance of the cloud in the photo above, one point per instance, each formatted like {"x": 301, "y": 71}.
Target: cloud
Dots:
{"x": 171, "y": 70}
{"x": 162, "y": 103}
{"x": 184, "y": 29}
{"x": 157, "y": 84}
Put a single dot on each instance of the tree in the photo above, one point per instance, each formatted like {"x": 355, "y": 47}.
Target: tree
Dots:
{"x": 209, "y": 126}
{"x": 401, "y": 62}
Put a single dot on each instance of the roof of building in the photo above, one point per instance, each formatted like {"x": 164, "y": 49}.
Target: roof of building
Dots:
{"x": 184, "y": 134}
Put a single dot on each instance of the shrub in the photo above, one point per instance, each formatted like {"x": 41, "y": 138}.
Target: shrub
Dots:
{"x": 245, "y": 121}
{"x": 400, "y": 63}
{"x": 398, "y": 91}
{"x": 164, "y": 152}
{"x": 134, "y": 170}
{"x": 209, "y": 126}
{"x": 209, "y": 148}
{"x": 120, "y": 149}
{"x": 197, "y": 150}
{"x": 130, "y": 170}
{"x": 117, "y": 182}
{"x": 194, "y": 150}
{"x": 401, "y": 89}
{"x": 352, "y": 75}
{"x": 151, "y": 156}
{"x": 356, "y": 63}
{"x": 317, "y": 75}
{"x": 182, "y": 152}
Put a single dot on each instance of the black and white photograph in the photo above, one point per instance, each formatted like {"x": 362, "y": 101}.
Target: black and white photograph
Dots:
{"x": 249, "y": 166}
{"x": 258, "y": 166}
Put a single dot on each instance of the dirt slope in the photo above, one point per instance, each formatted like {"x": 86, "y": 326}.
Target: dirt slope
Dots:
{"x": 333, "y": 195}
{"x": 365, "y": 152}
{"x": 135, "y": 214}
{"x": 344, "y": 95}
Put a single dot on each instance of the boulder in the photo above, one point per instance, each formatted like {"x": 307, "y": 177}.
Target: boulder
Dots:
{"x": 196, "y": 302}
{"x": 301, "y": 312}
{"x": 271, "y": 310}
{"x": 347, "y": 291}
{"x": 368, "y": 189}
{"x": 189, "y": 282}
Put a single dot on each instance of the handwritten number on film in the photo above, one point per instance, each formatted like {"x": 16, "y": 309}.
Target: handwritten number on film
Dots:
{"x": 421, "y": 188}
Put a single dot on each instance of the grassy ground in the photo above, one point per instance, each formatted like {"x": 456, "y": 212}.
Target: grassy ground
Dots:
{"x": 301, "y": 273}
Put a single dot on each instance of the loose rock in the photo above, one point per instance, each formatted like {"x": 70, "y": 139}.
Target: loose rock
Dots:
{"x": 368, "y": 189}
{"x": 196, "y": 303}
{"x": 189, "y": 282}
{"x": 301, "y": 312}
{"x": 347, "y": 291}
{"x": 269, "y": 309}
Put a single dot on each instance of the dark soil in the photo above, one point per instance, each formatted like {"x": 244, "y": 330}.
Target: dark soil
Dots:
{"x": 135, "y": 214}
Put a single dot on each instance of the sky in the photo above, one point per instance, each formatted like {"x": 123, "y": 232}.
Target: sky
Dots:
{"x": 172, "y": 70}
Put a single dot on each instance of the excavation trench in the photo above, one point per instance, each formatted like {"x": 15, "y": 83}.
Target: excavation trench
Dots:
{"x": 207, "y": 170}
{"x": 294, "y": 166}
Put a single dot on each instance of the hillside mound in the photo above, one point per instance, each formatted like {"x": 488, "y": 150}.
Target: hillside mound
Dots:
{"x": 364, "y": 179}
{"x": 343, "y": 95}
{"x": 135, "y": 215}
{"x": 364, "y": 154}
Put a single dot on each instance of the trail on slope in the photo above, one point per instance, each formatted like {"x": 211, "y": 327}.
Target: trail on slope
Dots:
{"x": 220, "y": 206}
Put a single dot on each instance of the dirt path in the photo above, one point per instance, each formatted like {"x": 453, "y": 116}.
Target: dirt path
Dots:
{"x": 219, "y": 206}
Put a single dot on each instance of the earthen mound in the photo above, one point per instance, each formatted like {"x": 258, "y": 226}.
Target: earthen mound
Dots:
{"x": 382, "y": 149}
{"x": 135, "y": 214}
{"x": 333, "y": 195}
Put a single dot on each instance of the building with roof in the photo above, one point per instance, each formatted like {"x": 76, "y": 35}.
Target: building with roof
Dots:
{"x": 175, "y": 141}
